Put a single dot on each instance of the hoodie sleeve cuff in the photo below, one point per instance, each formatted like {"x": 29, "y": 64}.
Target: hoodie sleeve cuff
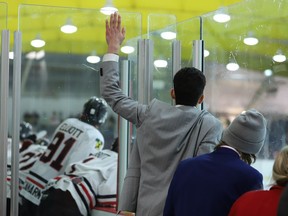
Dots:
{"x": 110, "y": 57}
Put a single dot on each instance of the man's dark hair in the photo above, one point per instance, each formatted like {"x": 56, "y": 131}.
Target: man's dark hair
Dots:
{"x": 189, "y": 84}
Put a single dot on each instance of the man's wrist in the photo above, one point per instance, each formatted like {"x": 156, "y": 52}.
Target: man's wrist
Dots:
{"x": 113, "y": 49}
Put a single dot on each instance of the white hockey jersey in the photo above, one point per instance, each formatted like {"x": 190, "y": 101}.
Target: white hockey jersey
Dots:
{"x": 73, "y": 140}
{"x": 91, "y": 182}
{"x": 27, "y": 158}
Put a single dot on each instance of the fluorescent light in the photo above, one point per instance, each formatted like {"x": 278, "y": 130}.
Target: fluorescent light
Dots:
{"x": 38, "y": 42}
{"x": 232, "y": 66}
{"x": 221, "y": 16}
{"x": 93, "y": 58}
{"x": 127, "y": 49}
{"x": 168, "y": 35}
{"x": 160, "y": 63}
{"x": 68, "y": 28}
{"x": 108, "y": 9}
{"x": 206, "y": 53}
{"x": 268, "y": 72}
{"x": 251, "y": 41}
{"x": 279, "y": 57}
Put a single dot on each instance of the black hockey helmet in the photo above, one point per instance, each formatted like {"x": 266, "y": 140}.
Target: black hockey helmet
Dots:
{"x": 25, "y": 130}
{"x": 94, "y": 111}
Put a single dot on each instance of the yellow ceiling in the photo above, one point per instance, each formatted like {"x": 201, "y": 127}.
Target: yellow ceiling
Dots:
{"x": 183, "y": 9}
{"x": 265, "y": 18}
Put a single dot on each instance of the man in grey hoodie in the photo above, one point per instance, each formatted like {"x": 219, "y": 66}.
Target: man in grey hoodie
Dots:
{"x": 166, "y": 134}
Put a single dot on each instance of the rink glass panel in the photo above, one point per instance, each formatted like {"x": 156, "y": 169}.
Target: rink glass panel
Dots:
{"x": 4, "y": 105}
{"x": 260, "y": 82}
{"x": 56, "y": 84}
{"x": 185, "y": 32}
{"x": 162, "y": 52}
{"x": 3, "y": 22}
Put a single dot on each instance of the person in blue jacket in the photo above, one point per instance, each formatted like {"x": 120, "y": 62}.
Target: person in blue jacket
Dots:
{"x": 208, "y": 185}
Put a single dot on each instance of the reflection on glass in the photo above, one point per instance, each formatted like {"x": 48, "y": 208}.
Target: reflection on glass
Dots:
{"x": 93, "y": 58}
{"x": 279, "y": 57}
{"x": 58, "y": 78}
{"x": 259, "y": 80}
{"x": 38, "y": 42}
{"x": 162, "y": 31}
{"x": 108, "y": 8}
{"x": 187, "y": 32}
{"x": 160, "y": 63}
{"x": 168, "y": 35}
{"x": 232, "y": 66}
{"x": 3, "y": 108}
{"x": 69, "y": 28}
{"x": 206, "y": 53}
{"x": 127, "y": 49}
{"x": 250, "y": 40}
{"x": 221, "y": 18}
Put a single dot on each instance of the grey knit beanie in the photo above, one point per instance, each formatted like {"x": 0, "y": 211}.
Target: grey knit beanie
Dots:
{"x": 247, "y": 132}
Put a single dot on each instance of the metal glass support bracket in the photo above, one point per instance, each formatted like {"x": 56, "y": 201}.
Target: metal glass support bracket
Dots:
{"x": 123, "y": 128}
{"x": 15, "y": 123}
{"x": 4, "y": 118}
{"x": 145, "y": 69}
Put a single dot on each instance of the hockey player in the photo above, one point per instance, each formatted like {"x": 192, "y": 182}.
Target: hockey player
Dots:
{"x": 73, "y": 140}
{"x": 85, "y": 184}
{"x": 31, "y": 147}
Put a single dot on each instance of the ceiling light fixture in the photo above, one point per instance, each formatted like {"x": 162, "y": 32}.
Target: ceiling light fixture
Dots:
{"x": 38, "y": 42}
{"x": 232, "y": 66}
{"x": 168, "y": 35}
{"x": 250, "y": 40}
{"x": 279, "y": 57}
{"x": 93, "y": 58}
{"x": 160, "y": 63}
{"x": 232, "y": 63}
{"x": 268, "y": 72}
{"x": 221, "y": 16}
{"x": 127, "y": 49}
{"x": 206, "y": 53}
{"x": 68, "y": 28}
{"x": 108, "y": 8}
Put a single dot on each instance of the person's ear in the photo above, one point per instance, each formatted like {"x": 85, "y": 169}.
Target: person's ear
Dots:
{"x": 172, "y": 93}
{"x": 200, "y": 100}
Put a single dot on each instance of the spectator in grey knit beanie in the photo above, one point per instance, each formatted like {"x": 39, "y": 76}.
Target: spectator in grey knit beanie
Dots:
{"x": 209, "y": 184}
{"x": 246, "y": 134}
